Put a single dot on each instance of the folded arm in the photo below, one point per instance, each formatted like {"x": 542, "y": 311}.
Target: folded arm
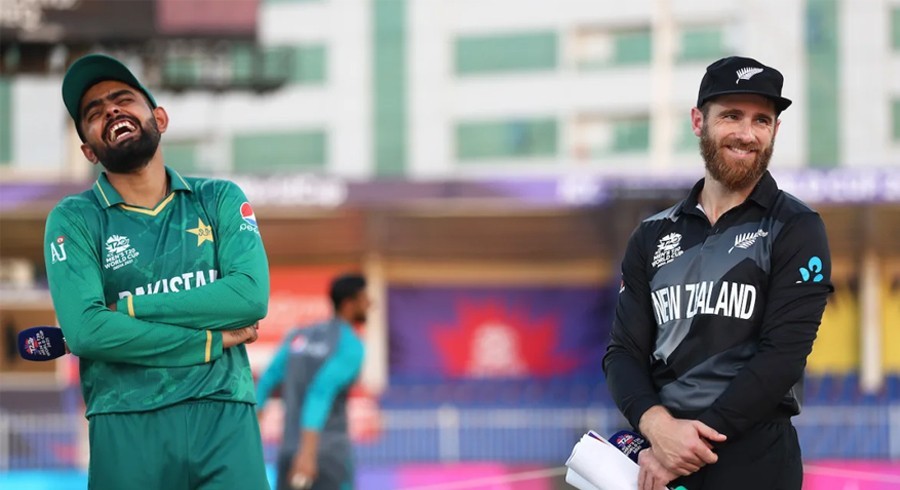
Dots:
{"x": 91, "y": 329}
{"x": 238, "y": 298}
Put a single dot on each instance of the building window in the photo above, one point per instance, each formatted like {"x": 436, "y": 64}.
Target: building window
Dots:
{"x": 631, "y": 135}
{"x": 597, "y": 136}
{"x": 244, "y": 66}
{"x": 701, "y": 44}
{"x": 182, "y": 156}
{"x": 601, "y": 47}
{"x": 686, "y": 140}
{"x": 534, "y": 51}
{"x": 275, "y": 152}
{"x": 506, "y": 139}
{"x": 895, "y": 28}
{"x": 6, "y": 118}
{"x": 304, "y": 64}
{"x": 632, "y": 47}
{"x": 896, "y": 117}
{"x": 309, "y": 64}
{"x": 182, "y": 71}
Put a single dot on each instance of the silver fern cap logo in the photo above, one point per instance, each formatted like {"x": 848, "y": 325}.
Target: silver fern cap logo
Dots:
{"x": 747, "y": 73}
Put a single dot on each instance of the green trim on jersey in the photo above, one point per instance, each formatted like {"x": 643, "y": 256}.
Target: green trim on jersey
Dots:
{"x": 179, "y": 273}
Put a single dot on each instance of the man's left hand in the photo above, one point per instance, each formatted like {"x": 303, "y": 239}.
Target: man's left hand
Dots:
{"x": 652, "y": 475}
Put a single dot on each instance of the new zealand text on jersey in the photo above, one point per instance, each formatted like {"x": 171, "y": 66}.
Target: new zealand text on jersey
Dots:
{"x": 174, "y": 284}
{"x": 731, "y": 299}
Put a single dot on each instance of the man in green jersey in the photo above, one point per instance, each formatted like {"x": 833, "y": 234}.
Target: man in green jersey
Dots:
{"x": 158, "y": 281}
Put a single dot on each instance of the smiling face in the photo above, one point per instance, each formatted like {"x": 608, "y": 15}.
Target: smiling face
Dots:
{"x": 737, "y": 138}
{"x": 121, "y": 130}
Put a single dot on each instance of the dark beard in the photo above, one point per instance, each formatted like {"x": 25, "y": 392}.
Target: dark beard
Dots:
{"x": 733, "y": 177}
{"x": 133, "y": 155}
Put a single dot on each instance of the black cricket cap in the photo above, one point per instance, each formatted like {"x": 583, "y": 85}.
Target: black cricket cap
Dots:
{"x": 737, "y": 75}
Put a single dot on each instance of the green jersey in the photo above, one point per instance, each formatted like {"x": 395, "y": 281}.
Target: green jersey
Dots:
{"x": 179, "y": 274}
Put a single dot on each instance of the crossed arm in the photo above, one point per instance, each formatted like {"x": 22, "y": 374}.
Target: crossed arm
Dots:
{"x": 174, "y": 329}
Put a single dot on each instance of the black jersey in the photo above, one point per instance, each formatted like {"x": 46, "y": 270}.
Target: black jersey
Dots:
{"x": 716, "y": 322}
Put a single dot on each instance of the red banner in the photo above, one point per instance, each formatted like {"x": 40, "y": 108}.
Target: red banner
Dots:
{"x": 298, "y": 297}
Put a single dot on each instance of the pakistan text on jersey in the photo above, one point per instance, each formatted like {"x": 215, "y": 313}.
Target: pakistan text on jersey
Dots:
{"x": 730, "y": 299}
{"x": 184, "y": 282}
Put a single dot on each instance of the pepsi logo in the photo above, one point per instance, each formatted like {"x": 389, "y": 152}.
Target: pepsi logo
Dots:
{"x": 298, "y": 344}
{"x": 247, "y": 214}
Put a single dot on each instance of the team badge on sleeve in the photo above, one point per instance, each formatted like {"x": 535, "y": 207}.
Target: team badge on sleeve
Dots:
{"x": 58, "y": 250}
{"x": 249, "y": 218}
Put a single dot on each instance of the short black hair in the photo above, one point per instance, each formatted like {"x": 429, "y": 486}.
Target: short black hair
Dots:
{"x": 344, "y": 287}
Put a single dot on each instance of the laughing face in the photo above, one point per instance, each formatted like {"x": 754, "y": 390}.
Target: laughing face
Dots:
{"x": 121, "y": 130}
{"x": 737, "y": 138}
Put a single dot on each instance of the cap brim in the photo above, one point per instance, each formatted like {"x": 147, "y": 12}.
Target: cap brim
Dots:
{"x": 89, "y": 70}
{"x": 780, "y": 102}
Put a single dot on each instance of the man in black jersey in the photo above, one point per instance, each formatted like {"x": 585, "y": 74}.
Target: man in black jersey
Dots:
{"x": 722, "y": 295}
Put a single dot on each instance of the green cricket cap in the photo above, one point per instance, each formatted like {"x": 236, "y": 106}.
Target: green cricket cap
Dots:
{"x": 89, "y": 70}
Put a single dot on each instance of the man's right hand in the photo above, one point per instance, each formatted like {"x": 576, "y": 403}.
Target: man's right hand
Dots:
{"x": 245, "y": 335}
{"x": 681, "y": 446}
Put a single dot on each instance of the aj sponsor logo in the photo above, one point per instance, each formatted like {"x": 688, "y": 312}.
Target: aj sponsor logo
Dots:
{"x": 119, "y": 252}
{"x": 58, "y": 250}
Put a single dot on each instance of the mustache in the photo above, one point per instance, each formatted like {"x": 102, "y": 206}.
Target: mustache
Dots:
{"x": 740, "y": 146}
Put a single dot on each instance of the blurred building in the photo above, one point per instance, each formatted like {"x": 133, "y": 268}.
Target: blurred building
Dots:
{"x": 467, "y": 88}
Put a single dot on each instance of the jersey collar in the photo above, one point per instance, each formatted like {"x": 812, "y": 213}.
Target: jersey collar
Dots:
{"x": 108, "y": 196}
{"x": 764, "y": 194}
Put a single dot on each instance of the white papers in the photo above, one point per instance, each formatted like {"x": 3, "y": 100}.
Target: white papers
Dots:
{"x": 596, "y": 464}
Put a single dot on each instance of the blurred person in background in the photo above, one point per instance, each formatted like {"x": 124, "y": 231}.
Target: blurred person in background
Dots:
{"x": 315, "y": 367}
{"x": 721, "y": 298}
{"x": 157, "y": 280}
